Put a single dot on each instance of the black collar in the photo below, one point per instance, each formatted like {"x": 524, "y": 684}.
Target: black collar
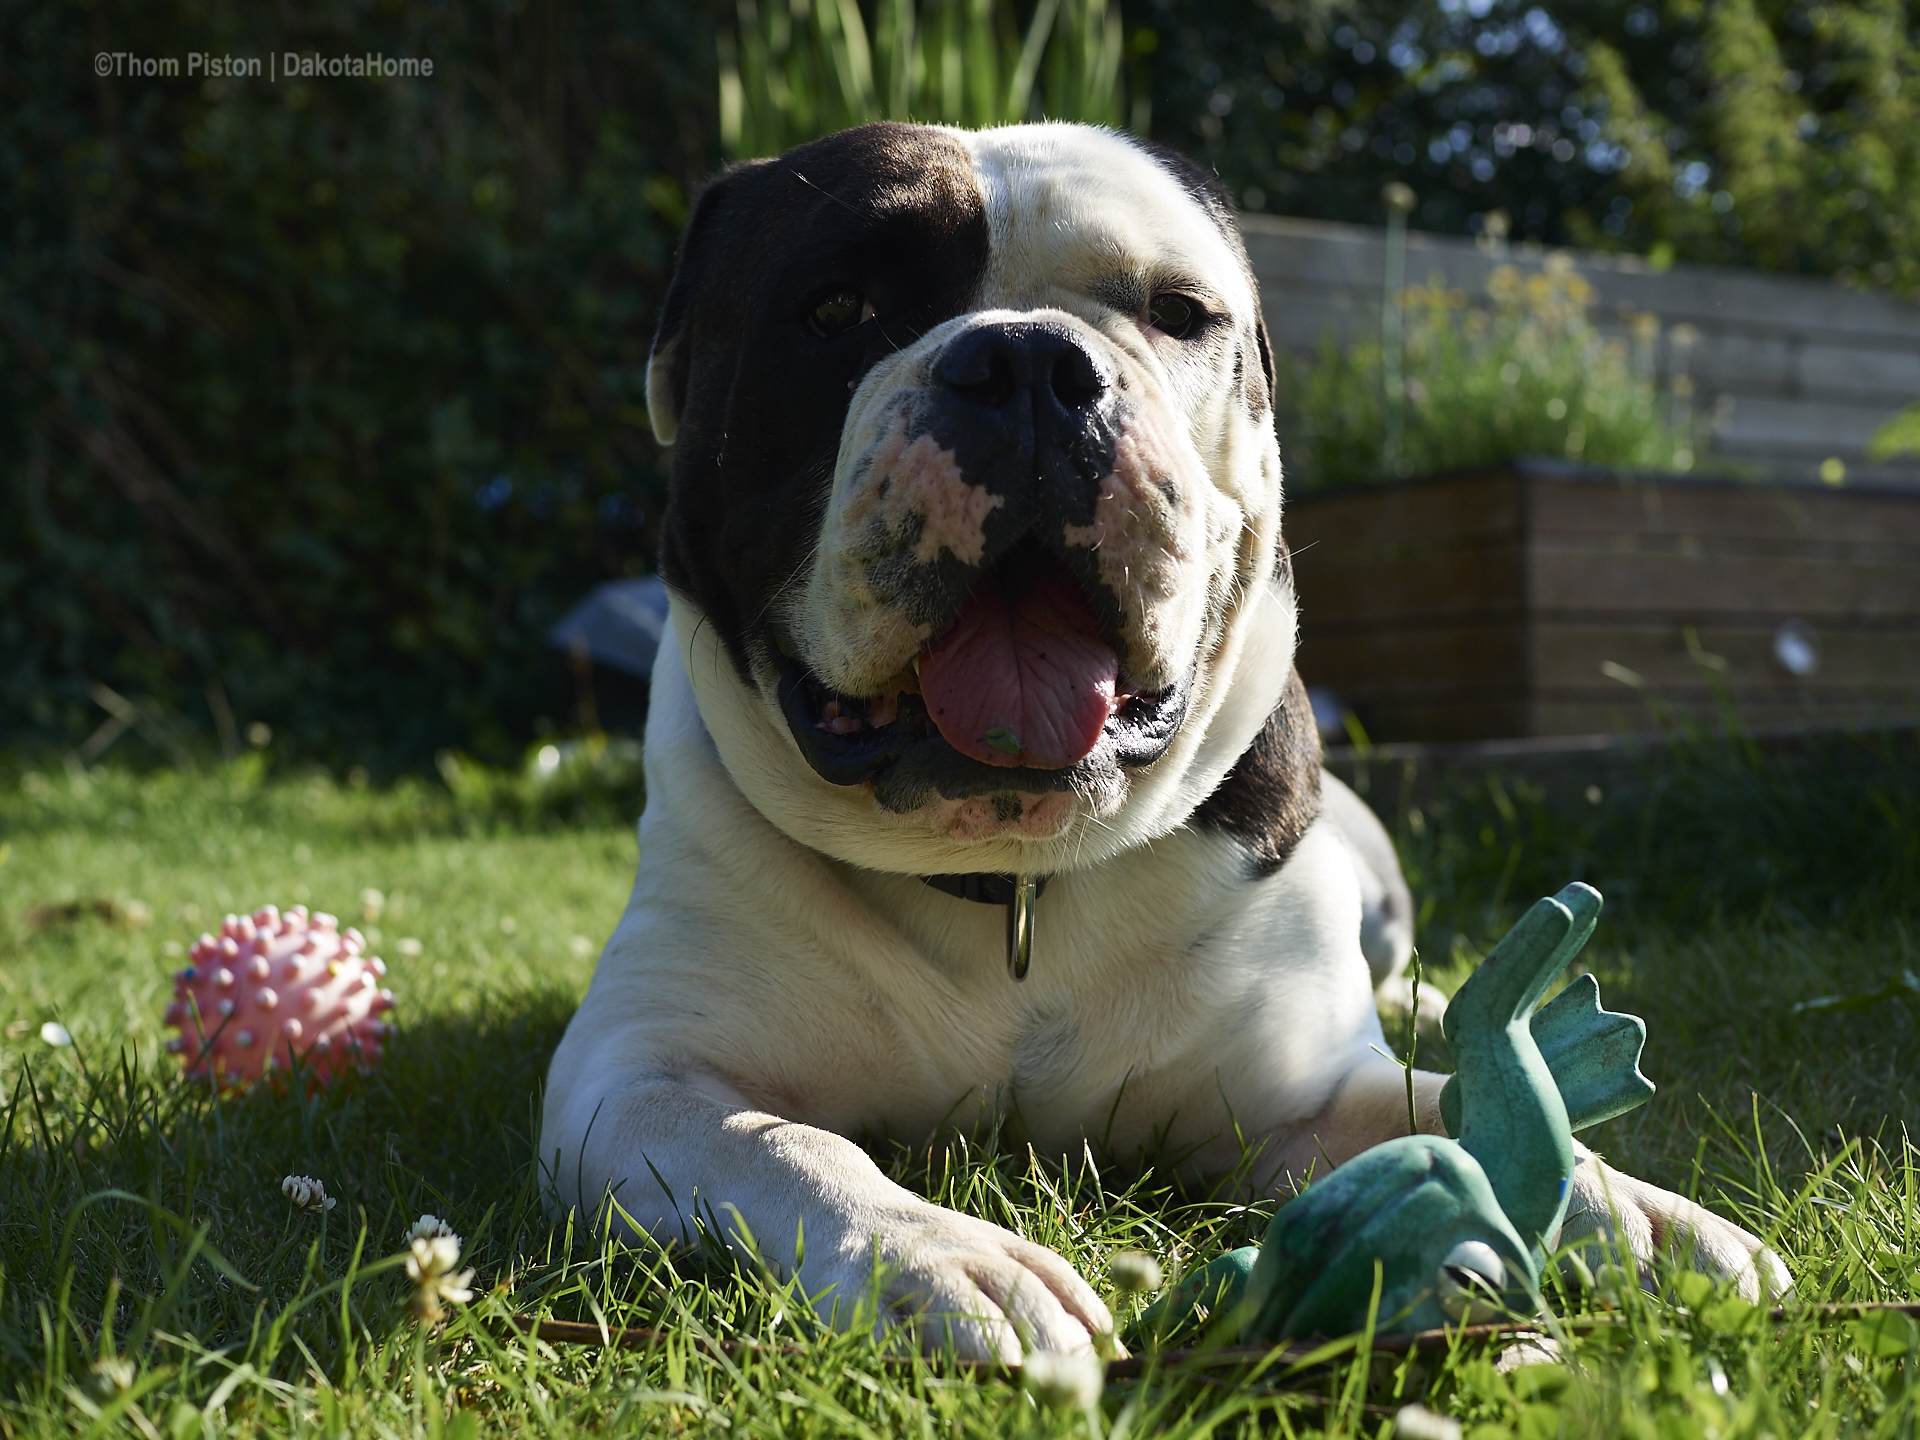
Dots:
{"x": 1017, "y": 892}
{"x": 984, "y": 888}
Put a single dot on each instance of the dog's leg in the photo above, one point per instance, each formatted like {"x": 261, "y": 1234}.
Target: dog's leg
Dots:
{"x": 673, "y": 1150}
{"x": 1368, "y": 1108}
{"x": 1610, "y": 1212}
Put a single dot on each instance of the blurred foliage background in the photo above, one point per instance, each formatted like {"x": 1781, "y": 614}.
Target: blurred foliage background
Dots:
{"x": 1781, "y": 135}
{"x": 322, "y": 400}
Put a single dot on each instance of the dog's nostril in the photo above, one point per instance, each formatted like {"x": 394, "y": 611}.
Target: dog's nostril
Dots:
{"x": 980, "y": 371}
{"x": 1076, "y": 383}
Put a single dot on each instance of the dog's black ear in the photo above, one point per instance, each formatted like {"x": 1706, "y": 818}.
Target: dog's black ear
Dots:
{"x": 1265, "y": 347}
{"x": 1198, "y": 180}
{"x": 667, "y": 361}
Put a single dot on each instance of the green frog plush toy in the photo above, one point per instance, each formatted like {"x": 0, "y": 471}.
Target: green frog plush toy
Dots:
{"x": 1460, "y": 1227}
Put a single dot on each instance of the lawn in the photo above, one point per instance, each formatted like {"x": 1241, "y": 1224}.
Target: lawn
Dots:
{"x": 155, "y": 1281}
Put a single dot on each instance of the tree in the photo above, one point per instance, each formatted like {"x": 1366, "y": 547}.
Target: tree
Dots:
{"x": 1308, "y": 107}
{"x": 1800, "y": 146}
{"x": 1783, "y": 135}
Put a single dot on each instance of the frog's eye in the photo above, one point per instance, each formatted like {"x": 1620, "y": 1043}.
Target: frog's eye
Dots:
{"x": 1469, "y": 1283}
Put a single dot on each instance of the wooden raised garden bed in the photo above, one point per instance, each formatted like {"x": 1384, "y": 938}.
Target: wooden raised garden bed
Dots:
{"x": 1543, "y": 599}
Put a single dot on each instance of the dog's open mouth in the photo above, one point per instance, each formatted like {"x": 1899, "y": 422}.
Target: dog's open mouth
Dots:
{"x": 1022, "y": 691}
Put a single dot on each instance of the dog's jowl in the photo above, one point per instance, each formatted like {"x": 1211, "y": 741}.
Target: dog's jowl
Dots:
{"x": 982, "y": 649}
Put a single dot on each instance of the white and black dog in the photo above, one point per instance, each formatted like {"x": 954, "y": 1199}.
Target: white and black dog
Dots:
{"x": 981, "y": 651}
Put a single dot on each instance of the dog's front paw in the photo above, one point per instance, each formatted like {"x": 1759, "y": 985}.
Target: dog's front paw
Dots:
{"x": 953, "y": 1280}
{"x": 1614, "y": 1211}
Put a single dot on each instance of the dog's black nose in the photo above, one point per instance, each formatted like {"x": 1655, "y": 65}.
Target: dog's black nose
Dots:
{"x": 996, "y": 366}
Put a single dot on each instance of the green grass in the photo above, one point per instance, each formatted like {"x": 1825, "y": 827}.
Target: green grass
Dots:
{"x": 142, "y": 1219}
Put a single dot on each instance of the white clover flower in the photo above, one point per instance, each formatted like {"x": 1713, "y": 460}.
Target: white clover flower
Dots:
{"x": 111, "y": 1376}
{"x": 1134, "y": 1272}
{"x": 1416, "y": 1422}
{"x": 1064, "y": 1380}
{"x": 430, "y": 1263}
{"x": 431, "y": 1227}
{"x": 305, "y": 1193}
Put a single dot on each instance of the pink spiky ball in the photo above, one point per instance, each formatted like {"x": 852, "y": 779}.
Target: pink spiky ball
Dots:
{"x": 272, "y": 987}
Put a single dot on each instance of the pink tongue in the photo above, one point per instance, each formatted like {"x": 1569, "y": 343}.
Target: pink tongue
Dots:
{"x": 1022, "y": 678}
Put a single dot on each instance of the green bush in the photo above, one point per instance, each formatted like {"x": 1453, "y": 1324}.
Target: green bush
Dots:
{"x": 324, "y": 398}
{"x": 1527, "y": 374}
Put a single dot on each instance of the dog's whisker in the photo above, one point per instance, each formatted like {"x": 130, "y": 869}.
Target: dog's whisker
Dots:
{"x": 888, "y": 337}
{"x": 845, "y": 204}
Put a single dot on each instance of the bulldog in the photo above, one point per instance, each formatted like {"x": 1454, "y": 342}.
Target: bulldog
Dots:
{"x": 979, "y": 778}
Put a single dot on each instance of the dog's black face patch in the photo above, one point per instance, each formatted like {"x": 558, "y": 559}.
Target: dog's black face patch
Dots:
{"x": 796, "y": 277}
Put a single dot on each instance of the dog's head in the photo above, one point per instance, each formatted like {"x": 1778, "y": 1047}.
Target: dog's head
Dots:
{"x": 973, "y": 529}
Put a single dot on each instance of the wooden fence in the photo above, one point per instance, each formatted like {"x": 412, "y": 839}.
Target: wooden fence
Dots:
{"x": 1788, "y": 372}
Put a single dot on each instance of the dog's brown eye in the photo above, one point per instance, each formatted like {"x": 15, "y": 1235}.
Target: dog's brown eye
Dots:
{"x": 839, "y": 313}
{"x": 1173, "y": 314}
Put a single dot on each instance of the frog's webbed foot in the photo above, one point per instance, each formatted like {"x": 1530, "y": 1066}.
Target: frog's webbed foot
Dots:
{"x": 1593, "y": 1053}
